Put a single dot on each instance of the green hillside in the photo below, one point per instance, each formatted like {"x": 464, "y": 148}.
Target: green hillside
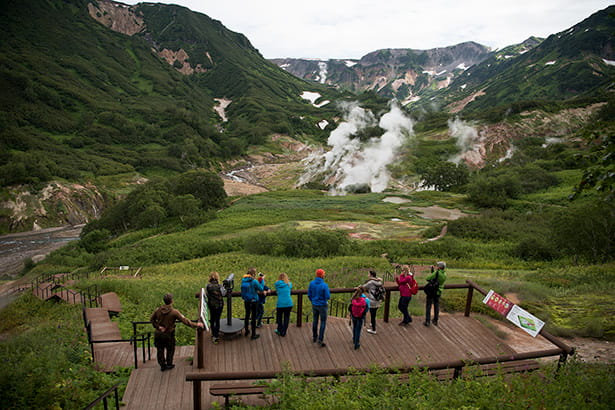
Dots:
{"x": 79, "y": 100}
{"x": 571, "y": 65}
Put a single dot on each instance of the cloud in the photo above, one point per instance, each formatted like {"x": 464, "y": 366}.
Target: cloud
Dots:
{"x": 353, "y": 28}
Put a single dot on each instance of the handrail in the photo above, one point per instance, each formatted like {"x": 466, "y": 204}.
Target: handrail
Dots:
{"x": 103, "y": 397}
{"x": 336, "y": 372}
{"x": 133, "y": 341}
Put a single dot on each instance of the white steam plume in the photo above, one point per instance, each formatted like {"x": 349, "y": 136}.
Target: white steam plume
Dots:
{"x": 350, "y": 162}
{"x": 467, "y": 141}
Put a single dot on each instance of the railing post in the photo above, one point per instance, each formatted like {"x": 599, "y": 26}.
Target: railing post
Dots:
{"x": 469, "y": 301}
{"x": 387, "y": 306}
{"x": 299, "y": 309}
{"x": 135, "y": 350}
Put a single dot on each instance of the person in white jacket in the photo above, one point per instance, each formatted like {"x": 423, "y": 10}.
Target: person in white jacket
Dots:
{"x": 373, "y": 282}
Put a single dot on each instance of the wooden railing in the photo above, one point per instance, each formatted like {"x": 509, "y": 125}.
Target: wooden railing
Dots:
{"x": 196, "y": 378}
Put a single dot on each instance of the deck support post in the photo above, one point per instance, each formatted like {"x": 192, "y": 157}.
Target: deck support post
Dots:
{"x": 457, "y": 372}
{"x": 196, "y": 394}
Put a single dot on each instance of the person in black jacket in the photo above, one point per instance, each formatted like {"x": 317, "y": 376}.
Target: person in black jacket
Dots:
{"x": 215, "y": 303}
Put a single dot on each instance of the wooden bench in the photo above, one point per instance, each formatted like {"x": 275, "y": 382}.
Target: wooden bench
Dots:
{"x": 235, "y": 389}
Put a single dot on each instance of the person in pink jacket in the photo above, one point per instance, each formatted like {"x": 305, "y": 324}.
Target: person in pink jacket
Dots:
{"x": 405, "y": 281}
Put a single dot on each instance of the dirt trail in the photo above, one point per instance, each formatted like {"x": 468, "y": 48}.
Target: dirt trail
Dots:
{"x": 586, "y": 350}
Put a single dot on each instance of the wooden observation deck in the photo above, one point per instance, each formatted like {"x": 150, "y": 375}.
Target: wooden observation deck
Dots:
{"x": 457, "y": 341}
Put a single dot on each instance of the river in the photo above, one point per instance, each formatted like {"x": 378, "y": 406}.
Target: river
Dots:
{"x": 16, "y": 248}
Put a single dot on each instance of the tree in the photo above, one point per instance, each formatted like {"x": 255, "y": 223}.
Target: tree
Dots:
{"x": 493, "y": 192}
{"x": 207, "y": 187}
{"x": 445, "y": 176}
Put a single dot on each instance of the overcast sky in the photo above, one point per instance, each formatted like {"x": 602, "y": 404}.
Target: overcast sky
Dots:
{"x": 353, "y": 28}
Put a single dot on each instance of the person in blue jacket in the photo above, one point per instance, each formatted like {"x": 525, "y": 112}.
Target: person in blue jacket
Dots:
{"x": 250, "y": 287}
{"x": 285, "y": 303}
{"x": 319, "y": 295}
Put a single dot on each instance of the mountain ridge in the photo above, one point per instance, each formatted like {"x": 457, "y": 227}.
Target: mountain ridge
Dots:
{"x": 455, "y": 82}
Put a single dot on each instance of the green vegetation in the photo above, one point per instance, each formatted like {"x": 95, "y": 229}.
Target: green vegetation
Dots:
{"x": 46, "y": 361}
{"x": 576, "y": 385}
{"x": 86, "y": 101}
{"x": 568, "y": 283}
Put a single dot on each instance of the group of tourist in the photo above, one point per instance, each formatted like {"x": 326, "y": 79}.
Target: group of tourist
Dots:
{"x": 254, "y": 291}
{"x": 368, "y": 297}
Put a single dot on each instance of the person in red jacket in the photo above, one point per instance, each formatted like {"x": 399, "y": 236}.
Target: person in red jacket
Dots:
{"x": 404, "y": 281}
{"x": 163, "y": 320}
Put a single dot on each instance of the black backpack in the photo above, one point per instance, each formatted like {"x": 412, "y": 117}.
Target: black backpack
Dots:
{"x": 214, "y": 295}
{"x": 379, "y": 293}
{"x": 432, "y": 287}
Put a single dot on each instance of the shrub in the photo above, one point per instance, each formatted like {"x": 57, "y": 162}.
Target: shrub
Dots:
{"x": 535, "y": 248}
{"x": 586, "y": 231}
{"x": 300, "y": 244}
{"x": 493, "y": 192}
{"x": 95, "y": 241}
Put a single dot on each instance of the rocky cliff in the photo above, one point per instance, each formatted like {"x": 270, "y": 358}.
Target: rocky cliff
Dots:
{"x": 393, "y": 73}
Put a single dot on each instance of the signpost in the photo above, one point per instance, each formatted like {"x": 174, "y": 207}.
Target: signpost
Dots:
{"x": 521, "y": 318}
{"x": 525, "y": 320}
{"x": 498, "y": 303}
{"x": 204, "y": 309}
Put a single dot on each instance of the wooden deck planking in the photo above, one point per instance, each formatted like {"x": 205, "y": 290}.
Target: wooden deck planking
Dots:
{"x": 456, "y": 337}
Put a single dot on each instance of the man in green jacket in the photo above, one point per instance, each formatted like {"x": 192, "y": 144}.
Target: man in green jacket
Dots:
{"x": 440, "y": 273}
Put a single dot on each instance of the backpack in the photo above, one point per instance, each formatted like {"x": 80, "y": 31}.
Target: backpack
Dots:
{"x": 246, "y": 290}
{"x": 379, "y": 293}
{"x": 432, "y": 287}
{"x": 214, "y": 296}
{"x": 357, "y": 307}
{"x": 414, "y": 287}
